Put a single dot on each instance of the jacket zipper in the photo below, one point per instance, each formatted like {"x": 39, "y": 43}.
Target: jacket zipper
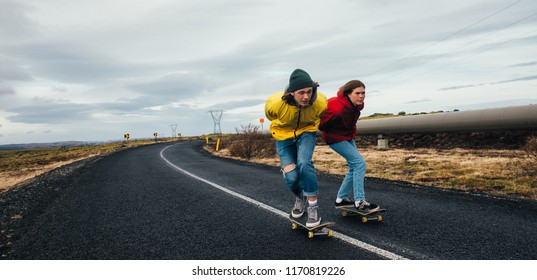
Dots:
{"x": 298, "y": 121}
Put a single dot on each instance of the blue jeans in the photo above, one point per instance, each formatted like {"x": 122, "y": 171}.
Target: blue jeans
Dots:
{"x": 355, "y": 176}
{"x": 302, "y": 180}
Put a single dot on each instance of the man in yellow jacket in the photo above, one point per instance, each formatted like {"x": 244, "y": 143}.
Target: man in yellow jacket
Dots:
{"x": 295, "y": 115}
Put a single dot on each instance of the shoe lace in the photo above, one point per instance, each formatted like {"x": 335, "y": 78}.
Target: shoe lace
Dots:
{"x": 363, "y": 204}
{"x": 298, "y": 203}
{"x": 313, "y": 213}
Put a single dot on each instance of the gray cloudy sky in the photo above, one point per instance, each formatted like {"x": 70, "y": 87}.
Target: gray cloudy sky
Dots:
{"x": 94, "y": 70}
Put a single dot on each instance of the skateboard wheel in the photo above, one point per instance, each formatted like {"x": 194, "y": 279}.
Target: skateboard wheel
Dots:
{"x": 344, "y": 213}
{"x": 294, "y": 226}
{"x": 330, "y": 233}
{"x": 310, "y": 234}
{"x": 364, "y": 220}
{"x": 379, "y": 218}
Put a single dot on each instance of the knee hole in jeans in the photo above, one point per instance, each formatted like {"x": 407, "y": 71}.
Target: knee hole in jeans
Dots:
{"x": 288, "y": 168}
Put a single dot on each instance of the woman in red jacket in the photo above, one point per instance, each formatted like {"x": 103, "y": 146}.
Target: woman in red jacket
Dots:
{"x": 338, "y": 125}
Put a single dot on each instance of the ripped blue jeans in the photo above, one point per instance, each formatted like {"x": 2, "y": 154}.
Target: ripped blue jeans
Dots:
{"x": 302, "y": 180}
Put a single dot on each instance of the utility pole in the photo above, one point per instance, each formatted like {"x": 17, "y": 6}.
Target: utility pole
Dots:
{"x": 217, "y": 117}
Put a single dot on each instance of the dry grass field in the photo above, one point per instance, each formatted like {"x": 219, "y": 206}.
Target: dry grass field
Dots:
{"x": 497, "y": 172}
{"x": 20, "y": 165}
{"x": 17, "y": 166}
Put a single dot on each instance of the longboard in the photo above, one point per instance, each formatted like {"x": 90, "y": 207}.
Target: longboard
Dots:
{"x": 312, "y": 231}
{"x": 366, "y": 215}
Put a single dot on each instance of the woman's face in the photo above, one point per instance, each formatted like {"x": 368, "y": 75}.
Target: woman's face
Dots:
{"x": 357, "y": 96}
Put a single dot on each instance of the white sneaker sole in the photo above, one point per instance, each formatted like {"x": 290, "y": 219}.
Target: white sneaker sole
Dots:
{"x": 314, "y": 224}
{"x": 297, "y": 216}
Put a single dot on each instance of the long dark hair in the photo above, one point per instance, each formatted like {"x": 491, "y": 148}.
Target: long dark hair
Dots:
{"x": 351, "y": 85}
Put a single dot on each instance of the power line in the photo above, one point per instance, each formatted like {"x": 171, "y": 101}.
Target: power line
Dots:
{"x": 441, "y": 40}
{"x": 462, "y": 58}
{"x": 455, "y": 49}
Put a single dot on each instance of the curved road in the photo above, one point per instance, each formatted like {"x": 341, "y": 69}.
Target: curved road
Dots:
{"x": 175, "y": 201}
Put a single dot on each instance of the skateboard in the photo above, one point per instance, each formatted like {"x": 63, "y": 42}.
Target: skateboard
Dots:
{"x": 312, "y": 231}
{"x": 366, "y": 215}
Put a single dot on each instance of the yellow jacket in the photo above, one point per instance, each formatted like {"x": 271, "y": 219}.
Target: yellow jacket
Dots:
{"x": 288, "y": 121}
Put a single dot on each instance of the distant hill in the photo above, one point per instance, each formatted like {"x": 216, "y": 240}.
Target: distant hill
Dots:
{"x": 45, "y": 145}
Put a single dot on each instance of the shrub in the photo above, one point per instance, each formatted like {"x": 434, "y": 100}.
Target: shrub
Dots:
{"x": 250, "y": 143}
{"x": 530, "y": 148}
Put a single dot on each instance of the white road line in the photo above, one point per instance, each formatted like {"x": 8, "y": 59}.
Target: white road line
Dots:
{"x": 343, "y": 237}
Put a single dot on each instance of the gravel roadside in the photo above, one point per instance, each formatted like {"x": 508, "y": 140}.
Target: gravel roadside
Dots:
{"x": 22, "y": 204}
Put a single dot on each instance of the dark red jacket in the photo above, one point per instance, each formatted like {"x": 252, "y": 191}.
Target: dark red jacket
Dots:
{"x": 338, "y": 123}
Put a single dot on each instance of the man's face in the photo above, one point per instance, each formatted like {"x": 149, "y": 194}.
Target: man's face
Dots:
{"x": 303, "y": 96}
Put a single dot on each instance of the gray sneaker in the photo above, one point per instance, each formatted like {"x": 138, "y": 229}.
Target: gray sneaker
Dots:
{"x": 298, "y": 209}
{"x": 313, "y": 216}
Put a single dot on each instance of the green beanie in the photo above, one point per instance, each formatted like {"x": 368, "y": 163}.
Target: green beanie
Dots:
{"x": 299, "y": 79}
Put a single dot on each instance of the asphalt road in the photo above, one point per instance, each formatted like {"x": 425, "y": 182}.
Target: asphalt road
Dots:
{"x": 175, "y": 201}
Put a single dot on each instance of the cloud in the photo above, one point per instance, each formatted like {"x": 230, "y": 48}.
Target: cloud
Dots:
{"x": 9, "y": 71}
{"x": 15, "y": 21}
{"x": 460, "y": 87}
{"x": 174, "y": 86}
{"x": 6, "y": 90}
{"x": 527, "y": 78}
{"x": 44, "y": 111}
{"x": 232, "y": 105}
{"x": 70, "y": 63}
{"x": 418, "y": 101}
{"x": 524, "y": 64}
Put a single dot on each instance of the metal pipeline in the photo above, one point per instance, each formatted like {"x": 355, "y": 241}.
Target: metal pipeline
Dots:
{"x": 507, "y": 118}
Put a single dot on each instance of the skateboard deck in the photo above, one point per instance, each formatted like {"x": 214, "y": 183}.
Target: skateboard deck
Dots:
{"x": 321, "y": 229}
{"x": 366, "y": 215}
